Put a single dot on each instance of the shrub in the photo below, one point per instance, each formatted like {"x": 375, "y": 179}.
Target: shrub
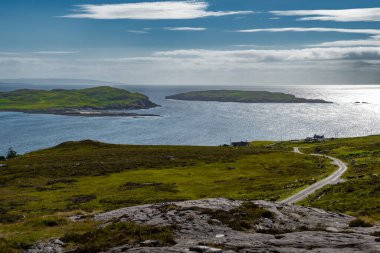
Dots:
{"x": 241, "y": 218}
{"x": 116, "y": 234}
{"x": 79, "y": 199}
{"x": 11, "y": 153}
{"x": 10, "y": 218}
{"x": 47, "y": 222}
{"x": 359, "y": 223}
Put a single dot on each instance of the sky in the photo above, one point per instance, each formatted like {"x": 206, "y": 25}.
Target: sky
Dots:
{"x": 215, "y": 42}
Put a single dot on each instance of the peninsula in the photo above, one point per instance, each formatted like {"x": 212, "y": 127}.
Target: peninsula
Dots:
{"x": 242, "y": 97}
{"x": 83, "y": 102}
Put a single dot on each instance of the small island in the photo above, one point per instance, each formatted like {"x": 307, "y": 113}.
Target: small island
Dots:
{"x": 242, "y": 97}
{"x": 98, "y": 101}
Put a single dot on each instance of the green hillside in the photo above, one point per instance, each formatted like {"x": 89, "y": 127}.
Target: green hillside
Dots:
{"x": 242, "y": 97}
{"x": 41, "y": 189}
{"x": 92, "y": 98}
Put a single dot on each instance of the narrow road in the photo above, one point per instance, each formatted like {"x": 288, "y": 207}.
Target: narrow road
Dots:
{"x": 333, "y": 178}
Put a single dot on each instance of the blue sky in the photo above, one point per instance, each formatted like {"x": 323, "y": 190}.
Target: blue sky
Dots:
{"x": 192, "y": 42}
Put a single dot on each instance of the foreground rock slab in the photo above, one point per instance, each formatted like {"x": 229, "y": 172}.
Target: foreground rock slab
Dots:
{"x": 284, "y": 228}
{"x": 292, "y": 229}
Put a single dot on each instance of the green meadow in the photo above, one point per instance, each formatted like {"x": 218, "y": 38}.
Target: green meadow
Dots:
{"x": 41, "y": 189}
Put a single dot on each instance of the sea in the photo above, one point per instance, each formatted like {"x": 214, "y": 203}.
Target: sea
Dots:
{"x": 355, "y": 111}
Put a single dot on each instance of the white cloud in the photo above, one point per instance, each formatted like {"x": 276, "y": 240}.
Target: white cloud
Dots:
{"x": 282, "y": 66}
{"x": 314, "y": 29}
{"x": 343, "y": 15}
{"x": 19, "y": 60}
{"x": 150, "y": 10}
{"x": 350, "y": 43}
{"x": 185, "y": 28}
{"x": 138, "y": 31}
{"x": 55, "y": 52}
{"x": 251, "y": 56}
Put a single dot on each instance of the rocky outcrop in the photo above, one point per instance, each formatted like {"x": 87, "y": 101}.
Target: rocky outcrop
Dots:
{"x": 291, "y": 229}
{"x": 205, "y": 226}
{"x": 53, "y": 245}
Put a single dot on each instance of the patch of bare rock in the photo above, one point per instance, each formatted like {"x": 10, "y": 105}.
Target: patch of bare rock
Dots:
{"x": 205, "y": 226}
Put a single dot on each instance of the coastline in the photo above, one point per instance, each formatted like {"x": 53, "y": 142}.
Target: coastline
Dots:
{"x": 84, "y": 113}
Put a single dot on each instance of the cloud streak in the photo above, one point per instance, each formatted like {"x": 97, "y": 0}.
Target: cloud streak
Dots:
{"x": 343, "y": 15}
{"x": 350, "y": 43}
{"x": 55, "y": 52}
{"x": 150, "y": 11}
{"x": 250, "y": 56}
{"x": 138, "y": 31}
{"x": 314, "y": 29}
{"x": 185, "y": 28}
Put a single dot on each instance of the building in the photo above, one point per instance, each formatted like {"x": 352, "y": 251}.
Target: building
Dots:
{"x": 315, "y": 138}
{"x": 240, "y": 144}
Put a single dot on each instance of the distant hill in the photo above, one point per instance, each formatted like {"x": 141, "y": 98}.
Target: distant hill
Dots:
{"x": 242, "y": 97}
{"x": 98, "y": 98}
{"x": 57, "y": 81}
{"x": 51, "y": 83}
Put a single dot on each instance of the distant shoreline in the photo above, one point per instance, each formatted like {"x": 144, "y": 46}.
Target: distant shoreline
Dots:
{"x": 84, "y": 113}
{"x": 240, "y": 96}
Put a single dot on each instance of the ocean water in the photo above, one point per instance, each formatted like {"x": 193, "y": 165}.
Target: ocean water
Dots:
{"x": 205, "y": 123}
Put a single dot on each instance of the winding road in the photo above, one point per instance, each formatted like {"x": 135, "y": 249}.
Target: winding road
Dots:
{"x": 332, "y": 179}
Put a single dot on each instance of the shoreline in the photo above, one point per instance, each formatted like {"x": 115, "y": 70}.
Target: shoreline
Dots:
{"x": 85, "y": 113}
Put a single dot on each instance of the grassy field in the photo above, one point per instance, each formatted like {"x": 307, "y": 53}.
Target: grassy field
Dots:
{"x": 359, "y": 194}
{"x": 39, "y": 190}
{"x": 58, "y": 99}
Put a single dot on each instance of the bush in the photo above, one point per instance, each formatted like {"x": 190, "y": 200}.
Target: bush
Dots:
{"x": 241, "y": 218}
{"x": 359, "y": 223}
{"x": 80, "y": 199}
{"x": 11, "y": 153}
{"x": 118, "y": 234}
{"x": 47, "y": 222}
{"x": 10, "y": 218}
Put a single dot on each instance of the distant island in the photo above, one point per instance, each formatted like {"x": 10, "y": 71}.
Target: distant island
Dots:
{"x": 242, "y": 97}
{"x": 83, "y": 102}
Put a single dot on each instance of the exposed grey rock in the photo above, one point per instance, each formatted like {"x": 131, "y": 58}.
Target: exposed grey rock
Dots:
{"x": 291, "y": 229}
{"x": 53, "y": 245}
{"x": 119, "y": 249}
{"x": 150, "y": 243}
{"x": 205, "y": 249}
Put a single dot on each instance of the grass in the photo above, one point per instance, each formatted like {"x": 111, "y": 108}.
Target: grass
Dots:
{"x": 241, "y": 218}
{"x": 58, "y": 99}
{"x": 360, "y": 223}
{"x": 39, "y": 190}
{"x": 116, "y": 234}
{"x": 92, "y": 177}
{"x": 15, "y": 237}
{"x": 361, "y": 182}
